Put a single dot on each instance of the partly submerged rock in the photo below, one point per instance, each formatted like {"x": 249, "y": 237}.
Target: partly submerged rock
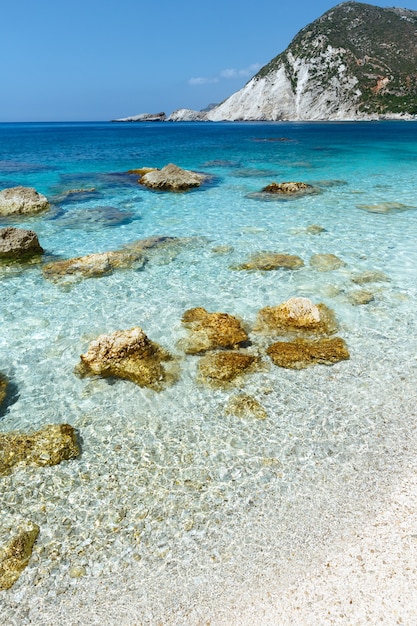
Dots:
{"x": 267, "y": 261}
{"x": 288, "y": 188}
{"x": 385, "y": 207}
{"x": 370, "y": 276}
{"x": 48, "y": 446}
{"x": 219, "y": 368}
{"x": 326, "y": 262}
{"x": 130, "y": 355}
{"x": 22, "y": 201}
{"x": 93, "y": 265}
{"x": 296, "y": 316}
{"x": 301, "y": 353}
{"x": 141, "y": 171}
{"x": 17, "y": 243}
{"x": 211, "y": 330}
{"x": 16, "y": 553}
{"x": 245, "y": 406}
{"x": 172, "y": 178}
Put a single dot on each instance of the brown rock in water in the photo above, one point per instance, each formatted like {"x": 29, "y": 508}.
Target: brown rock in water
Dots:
{"x": 219, "y": 368}
{"x": 48, "y": 446}
{"x": 326, "y": 262}
{"x": 211, "y": 330}
{"x": 3, "y": 388}
{"x": 172, "y": 178}
{"x": 22, "y": 201}
{"x": 93, "y": 265}
{"x": 127, "y": 354}
{"x": 141, "y": 171}
{"x": 362, "y": 296}
{"x": 15, "y": 555}
{"x": 315, "y": 229}
{"x": 296, "y": 316}
{"x": 271, "y": 261}
{"x": 289, "y": 188}
{"x": 370, "y": 276}
{"x": 301, "y": 353}
{"x": 246, "y": 406}
{"x": 18, "y": 243}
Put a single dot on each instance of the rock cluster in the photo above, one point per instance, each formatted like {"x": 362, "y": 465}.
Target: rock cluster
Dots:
{"x": 18, "y": 243}
{"x": 22, "y": 201}
{"x": 48, "y": 446}
{"x": 15, "y": 555}
{"x": 130, "y": 355}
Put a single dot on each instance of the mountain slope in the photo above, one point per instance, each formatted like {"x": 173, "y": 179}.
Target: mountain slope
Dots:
{"x": 355, "y": 61}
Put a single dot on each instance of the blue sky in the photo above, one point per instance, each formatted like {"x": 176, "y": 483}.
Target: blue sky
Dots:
{"x": 102, "y": 59}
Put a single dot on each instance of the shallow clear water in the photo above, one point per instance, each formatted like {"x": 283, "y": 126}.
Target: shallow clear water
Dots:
{"x": 176, "y": 506}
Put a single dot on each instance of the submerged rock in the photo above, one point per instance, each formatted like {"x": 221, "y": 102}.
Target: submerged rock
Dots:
{"x": 93, "y": 265}
{"x": 22, "y": 201}
{"x": 48, "y": 446}
{"x": 172, "y": 178}
{"x": 385, "y": 207}
{"x": 211, "y": 330}
{"x": 246, "y": 406}
{"x": 3, "y": 388}
{"x": 362, "y": 296}
{"x": 95, "y": 217}
{"x": 17, "y": 243}
{"x": 268, "y": 261}
{"x": 296, "y": 316}
{"x": 370, "y": 276}
{"x": 219, "y": 368}
{"x": 15, "y": 555}
{"x": 301, "y": 353}
{"x": 315, "y": 229}
{"x": 326, "y": 262}
{"x": 130, "y": 355}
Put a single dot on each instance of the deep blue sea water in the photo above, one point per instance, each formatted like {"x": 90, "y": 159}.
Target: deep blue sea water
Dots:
{"x": 176, "y": 505}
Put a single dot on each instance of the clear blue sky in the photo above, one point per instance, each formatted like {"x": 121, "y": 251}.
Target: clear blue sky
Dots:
{"x": 102, "y": 59}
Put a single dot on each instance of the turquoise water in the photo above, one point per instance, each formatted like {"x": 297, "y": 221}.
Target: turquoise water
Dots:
{"x": 176, "y": 506}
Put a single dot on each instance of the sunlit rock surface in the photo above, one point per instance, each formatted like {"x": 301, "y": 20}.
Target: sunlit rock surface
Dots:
{"x": 130, "y": 355}
{"x": 296, "y": 316}
{"x": 211, "y": 330}
{"x": 22, "y": 201}
{"x": 17, "y": 243}
{"x": 48, "y": 446}
{"x": 16, "y": 552}
{"x": 301, "y": 353}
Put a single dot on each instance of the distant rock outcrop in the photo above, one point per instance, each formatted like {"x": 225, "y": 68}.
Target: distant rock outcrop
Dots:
{"x": 143, "y": 117}
{"x": 356, "y": 61}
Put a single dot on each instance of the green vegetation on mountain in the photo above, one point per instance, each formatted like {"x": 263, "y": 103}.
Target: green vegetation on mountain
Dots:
{"x": 376, "y": 46}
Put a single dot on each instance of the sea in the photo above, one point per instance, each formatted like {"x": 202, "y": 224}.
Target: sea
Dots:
{"x": 179, "y": 511}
